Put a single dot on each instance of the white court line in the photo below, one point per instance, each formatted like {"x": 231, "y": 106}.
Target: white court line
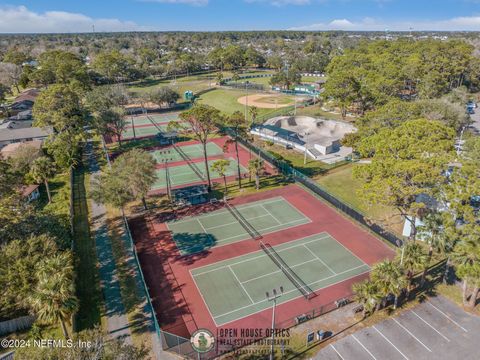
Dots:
{"x": 438, "y": 332}
{"x": 294, "y": 298}
{"x": 259, "y": 256}
{"x": 223, "y": 211}
{"x": 279, "y": 226}
{"x": 295, "y": 289}
{"x": 235, "y": 222}
{"x": 448, "y": 317}
{"x": 269, "y": 213}
{"x": 408, "y": 331}
{"x": 277, "y": 271}
{"x": 323, "y": 262}
{"x": 238, "y": 280}
{"x": 201, "y": 225}
{"x": 341, "y": 357}
{"x": 369, "y": 353}
{"x": 390, "y": 343}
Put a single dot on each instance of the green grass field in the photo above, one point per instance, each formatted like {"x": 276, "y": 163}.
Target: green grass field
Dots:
{"x": 192, "y": 151}
{"x": 341, "y": 183}
{"x": 235, "y": 288}
{"x": 184, "y": 174}
{"x": 226, "y": 101}
{"x": 220, "y": 227}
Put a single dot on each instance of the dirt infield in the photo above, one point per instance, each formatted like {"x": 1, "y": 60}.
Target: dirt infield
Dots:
{"x": 266, "y": 101}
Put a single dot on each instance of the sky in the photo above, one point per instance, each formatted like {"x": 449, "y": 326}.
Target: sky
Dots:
{"x": 30, "y": 16}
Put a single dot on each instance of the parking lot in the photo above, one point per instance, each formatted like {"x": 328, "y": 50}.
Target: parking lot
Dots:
{"x": 436, "y": 329}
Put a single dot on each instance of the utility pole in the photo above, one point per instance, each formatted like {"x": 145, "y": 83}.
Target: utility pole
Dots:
{"x": 305, "y": 152}
{"x": 273, "y": 298}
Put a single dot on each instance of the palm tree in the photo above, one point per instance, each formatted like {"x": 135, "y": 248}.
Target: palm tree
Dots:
{"x": 389, "y": 278}
{"x": 414, "y": 259}
{"x": 367, "y": 294}
{"x": 253, "y": 114}
{"x": 466, "y": 257}
{"x": 431, "y": 231}
{"x": 54, "y": 296}
{"x": 221, "y": 166}
{"x": 256, "y": 166}
{"x": 41, "y": 170}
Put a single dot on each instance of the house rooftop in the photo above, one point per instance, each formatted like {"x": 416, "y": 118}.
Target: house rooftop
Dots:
{"x": 10, "y": 149}
{"x": 22, "y": 134}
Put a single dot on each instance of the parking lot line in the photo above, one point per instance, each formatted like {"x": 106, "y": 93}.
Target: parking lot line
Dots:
{"x": 369, "y": 353}
{"x": 390, "y": 343}
{"x": 341, "y": 357}
{"x": 438, "y": 332}
{"x": 408, "y": 331}
{"x": 448, "y": 317}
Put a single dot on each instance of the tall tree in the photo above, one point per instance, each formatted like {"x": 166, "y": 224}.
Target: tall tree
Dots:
{"x": 389, "y": 278}
{"x": 53, "y": 298}
{"x": 202, "y": 121}
{"x": 43, "y": 169}
{"x": 238, "y": 130}
{"x": 163, "y": 95}
{"x": 406, "y": 167}
{"x": 413, "y": 258}
{"x": 256, "y": 167}
{"x": 221, "y": 166}
{"x": 130, "y": 178}
{"x": 367, "y": 294}
{"x": 61, "y": 107}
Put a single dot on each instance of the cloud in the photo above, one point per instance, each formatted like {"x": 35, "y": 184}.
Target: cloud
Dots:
{"x": 281, "y": 2}
{"x": 465, "y": 23}
{"x": 18, "y": 19}
{"x": 187, "y": 2}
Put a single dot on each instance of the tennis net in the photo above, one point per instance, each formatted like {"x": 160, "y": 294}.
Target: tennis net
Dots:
{"x": 306, "y": 291}
{"x": 241, "y": 219}
{"x": 189, "y": 162}
{"x": 160, "y": 130}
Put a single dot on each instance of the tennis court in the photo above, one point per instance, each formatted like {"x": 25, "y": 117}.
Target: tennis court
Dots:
{"x": 144, "y": 131}
{"x": 222, "y": 227}
{"x": 235, "y": 288}
{"x": 192, "y": 173}
{"x": 194, "y": 151}
{"x": 157, "y": 119}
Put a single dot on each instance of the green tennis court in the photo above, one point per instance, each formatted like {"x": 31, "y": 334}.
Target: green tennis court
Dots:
{"x": 220, "y": 227}
{"x": 235, "y": 288}
{"x": 192, "y": 151}
{"x": 184, "y": 174}
{"x": 144, "y": 131}
{"x": 157, "y": 119}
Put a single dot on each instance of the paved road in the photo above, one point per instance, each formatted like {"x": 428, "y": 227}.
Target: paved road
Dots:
{"x": 476, "y": 121}
{"x": 117, "y": 322}
{"x": 436, "y": 329}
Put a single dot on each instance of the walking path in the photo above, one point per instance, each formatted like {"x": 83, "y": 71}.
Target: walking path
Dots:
{"x": 117, "y": 321}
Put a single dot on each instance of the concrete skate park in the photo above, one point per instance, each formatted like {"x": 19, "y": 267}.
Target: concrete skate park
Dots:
{"x": 319, "y": 138}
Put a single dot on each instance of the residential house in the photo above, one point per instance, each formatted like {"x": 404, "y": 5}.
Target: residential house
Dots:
{"x": 10, "y": 136}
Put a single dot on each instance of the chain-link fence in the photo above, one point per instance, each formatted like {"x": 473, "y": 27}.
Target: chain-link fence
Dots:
{"x": 353, "y": 212}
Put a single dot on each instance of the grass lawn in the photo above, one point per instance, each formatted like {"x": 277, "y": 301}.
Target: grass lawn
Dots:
{"x": 131, "y": 296}
{"x": 341, "y": 183}
{"x": 317, "y": 111}
{"x": 295, "y": 158}
{"x": 226, "y": 101}
{"x": 87, "y": 281}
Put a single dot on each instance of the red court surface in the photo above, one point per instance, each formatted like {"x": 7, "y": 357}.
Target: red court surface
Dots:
{"x": 228, "y": 152}
{"x": 178, "y": 304}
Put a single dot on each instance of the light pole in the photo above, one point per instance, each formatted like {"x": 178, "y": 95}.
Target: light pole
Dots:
{"x": 305, "y": 152}
{"x": 273, "y": 298}
{"x": 246, "y": 102}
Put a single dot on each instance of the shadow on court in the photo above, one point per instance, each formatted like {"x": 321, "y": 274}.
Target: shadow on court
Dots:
{"x": 190, "y": 244}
